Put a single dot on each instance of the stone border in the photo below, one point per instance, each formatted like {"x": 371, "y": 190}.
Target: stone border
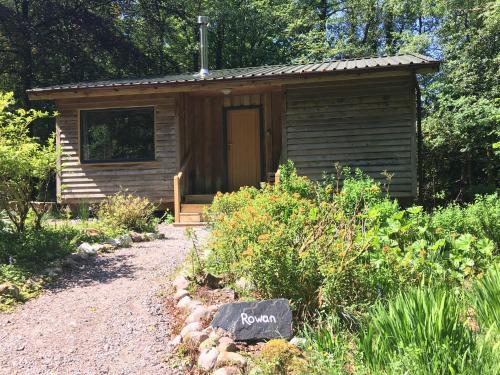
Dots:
{"x": 216, "y": 350}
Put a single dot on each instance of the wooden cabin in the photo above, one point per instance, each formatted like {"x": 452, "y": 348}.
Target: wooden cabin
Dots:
{"x": 179, "y": 139}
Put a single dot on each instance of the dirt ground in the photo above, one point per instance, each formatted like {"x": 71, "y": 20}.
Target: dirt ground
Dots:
{"x": 105, "y": 318}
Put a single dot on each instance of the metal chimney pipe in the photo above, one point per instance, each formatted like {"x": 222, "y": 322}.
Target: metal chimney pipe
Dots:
{"x": 203, "y": 22}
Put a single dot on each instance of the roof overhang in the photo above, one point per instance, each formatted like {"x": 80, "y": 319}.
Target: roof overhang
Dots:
{"x": 242, "y": 83}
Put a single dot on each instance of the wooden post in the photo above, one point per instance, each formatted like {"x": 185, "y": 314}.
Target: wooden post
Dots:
{"x": 177, "y": 197}
{"x": 277, "y": 177}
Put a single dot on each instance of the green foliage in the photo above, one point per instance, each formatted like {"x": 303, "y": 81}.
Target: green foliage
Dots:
{"x": 22, "y": 278}
{"x": 342, "y": 249}
{"x": 25, "y": 165}
{"x": 486, "y": 295}
{"x": 255, "y": 234}
{"x": 127, "y": 211}
{"x": 35, "y": 248}
{"x": 422, "y": 331}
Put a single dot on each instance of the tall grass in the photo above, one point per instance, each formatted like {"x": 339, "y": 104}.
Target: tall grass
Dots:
{"x": 486, "y": 296}
{"x": 420, "y": 332}
{"x": 327, "y": 346}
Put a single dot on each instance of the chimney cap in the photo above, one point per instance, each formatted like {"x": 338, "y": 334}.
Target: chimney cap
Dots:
{"x": 202, "y": 20}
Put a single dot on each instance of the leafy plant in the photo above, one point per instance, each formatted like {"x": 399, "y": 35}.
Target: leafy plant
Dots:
{"x": 127, "y": 211}
{"x": 26, "y": 166}
{"x": 486, "y": 296}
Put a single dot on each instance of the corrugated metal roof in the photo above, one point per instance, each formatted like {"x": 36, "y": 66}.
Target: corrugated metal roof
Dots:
{"x": 268, "y": 71}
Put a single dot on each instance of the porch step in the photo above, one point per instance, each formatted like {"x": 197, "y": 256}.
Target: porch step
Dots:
{"x": 193, "y": 207}
{"x": 199, "y": 198}
{"x": 190, "y": 217}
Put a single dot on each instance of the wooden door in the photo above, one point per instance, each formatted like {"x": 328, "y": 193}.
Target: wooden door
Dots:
{"x": 243, "y": 148}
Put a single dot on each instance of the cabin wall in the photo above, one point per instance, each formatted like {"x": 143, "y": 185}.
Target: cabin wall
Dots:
{"x": 203, "y": 136}
{"x": 91, "y": 182}
{"x": 365, "y": 123}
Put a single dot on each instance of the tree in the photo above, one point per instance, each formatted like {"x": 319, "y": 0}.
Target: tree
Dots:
{"x": 26, "y": 166}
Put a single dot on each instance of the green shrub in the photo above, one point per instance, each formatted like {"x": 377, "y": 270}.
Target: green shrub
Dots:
{"x": 26, "y": 166}
{"x": 421, "y": 331}
{"x": 127, "y": 211}
{"x": 256, "y": 234}
{"x": 480, "y": 218}
{"x": 37, "y": 247}
{"x": 342, "y": 250}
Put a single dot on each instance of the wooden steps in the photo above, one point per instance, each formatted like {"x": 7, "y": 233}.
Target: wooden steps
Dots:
{"x": 192, "y": 210}
{"x": 199, "y": 198}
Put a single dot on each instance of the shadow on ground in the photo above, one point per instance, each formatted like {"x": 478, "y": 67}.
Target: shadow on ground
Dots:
{"x": 100, "y": 269}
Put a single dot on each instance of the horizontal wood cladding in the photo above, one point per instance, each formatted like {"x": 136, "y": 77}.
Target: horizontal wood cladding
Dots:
{"x": 367, "y": 124}
{"x": 91, "y": 182}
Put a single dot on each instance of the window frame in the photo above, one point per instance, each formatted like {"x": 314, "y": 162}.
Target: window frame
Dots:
{"x": 114, "y": 161}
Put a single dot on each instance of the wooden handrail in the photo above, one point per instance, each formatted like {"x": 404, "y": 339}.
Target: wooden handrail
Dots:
{"x": 178, "y": 184}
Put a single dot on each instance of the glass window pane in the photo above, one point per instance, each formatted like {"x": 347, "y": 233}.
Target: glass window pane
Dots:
{"x": 117, "y": 134}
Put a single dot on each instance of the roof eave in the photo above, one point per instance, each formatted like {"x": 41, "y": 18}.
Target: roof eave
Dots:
{"x": 60, "y": 93}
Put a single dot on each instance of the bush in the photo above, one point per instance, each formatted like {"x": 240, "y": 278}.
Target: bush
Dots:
{"x": 127, "y": 211}
{"x": 421, "y": 331}
{"x": 35, "y": 248}
{"x": 342, "y": 250}
{"x": 261, "y": 241}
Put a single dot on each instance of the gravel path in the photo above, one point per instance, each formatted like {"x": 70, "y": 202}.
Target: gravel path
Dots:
{"x": 106, "y": 318}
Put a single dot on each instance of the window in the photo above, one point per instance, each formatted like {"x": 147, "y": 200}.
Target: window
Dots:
{"x": 114, "y": 135}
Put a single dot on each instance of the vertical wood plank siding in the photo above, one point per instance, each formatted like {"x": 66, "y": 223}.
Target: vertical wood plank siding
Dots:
{"x": 368, "y": 124}
{"x": 92, "y": 182}
{"x": 203, "y": 129}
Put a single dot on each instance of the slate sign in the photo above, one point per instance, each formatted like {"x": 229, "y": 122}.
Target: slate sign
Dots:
{"x": 252, "y": 321}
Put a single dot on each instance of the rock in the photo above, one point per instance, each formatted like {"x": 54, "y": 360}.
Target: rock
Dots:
{"x": 78, "y": 257}
{"x": 228, "y": 370}
{"x": 98, "y": 246}
{"x": 226, "y": 344}
{"x": 114, "y": 242}
{"x": 207, "y": 359}
{"x": 184, "y": 302}
{"x": 150, "y": 236}
{"x": 193, "y": 305}
{"x": 212, "y": 281}
{"x": 230, "y": 359}
{"x": 181, "y": 282}
{"x": 158, "y": 236}
{"x": 298, "y": 341}
{"x": 176, "y": 340}
{"x": 195, "y": 338}
{"x": 180, "y": 294}
{"x": 125, "y": 240}
{"x": 136, "y": 237}
{"x": 207, "y": 344}
{"x": 69, "y": 262}
{"x": 213, "y": 308}
{"x": 106, "y": 248}
{"x": 53, "y": 271}
{"x": 250, "y": 321}
{"x": 191, "y": 327}
{"x": 198, "y": 314}
{"x": 86, "y": 248}
{"x": 10, "y": 290}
